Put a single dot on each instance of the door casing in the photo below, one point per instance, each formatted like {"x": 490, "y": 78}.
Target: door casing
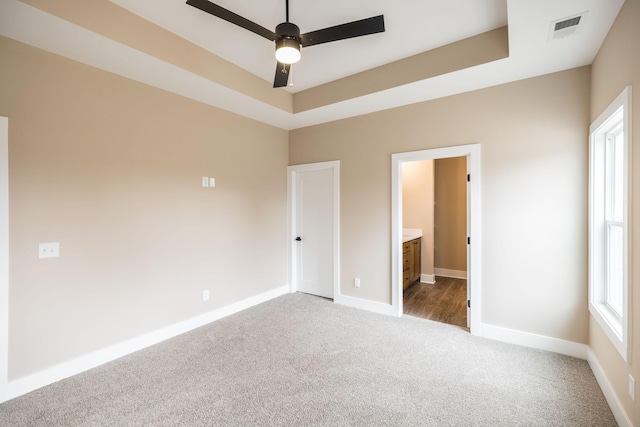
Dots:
{"x": 4, "y": 259}
{"x": 472, "y": 152}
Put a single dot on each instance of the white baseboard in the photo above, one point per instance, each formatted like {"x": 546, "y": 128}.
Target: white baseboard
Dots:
{"x": 541, "y": 342}
{"x": 455, "y": 274}
{"x": 428, "y": 278}
{"x": 56, "y": 373}
{"x": 363, "y": 304}
{"x": 619, "y": 413}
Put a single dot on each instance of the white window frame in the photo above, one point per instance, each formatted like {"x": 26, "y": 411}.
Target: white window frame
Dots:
{"x": 616, "y": 325}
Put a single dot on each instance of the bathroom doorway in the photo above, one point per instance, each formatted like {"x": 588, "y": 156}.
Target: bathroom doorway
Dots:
{"x": 434, "y": 218}
{"x": 463, "y": 276}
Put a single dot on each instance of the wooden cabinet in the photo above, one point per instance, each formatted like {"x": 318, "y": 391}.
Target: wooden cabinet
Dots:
{"x": 411, "y": 262}
{"x": 414, "y": 252}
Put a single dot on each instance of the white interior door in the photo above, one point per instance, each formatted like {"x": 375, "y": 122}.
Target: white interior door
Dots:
{"x": 314, "y": 232}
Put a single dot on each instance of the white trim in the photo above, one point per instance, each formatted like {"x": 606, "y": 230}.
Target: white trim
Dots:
{"x": 428, "y": 278}
{"x": 456, "y": 274}
{"x": 541, "y": 342}
{"x": 75, "y": 366}
{"x": 4, "y": 257}
{"x": 292, "y": 172}
{"x": 472, "y": 152}
{"x": 365, "y": 304}
{"x": 618, "y": 331}
{"x": 619, "y": 413}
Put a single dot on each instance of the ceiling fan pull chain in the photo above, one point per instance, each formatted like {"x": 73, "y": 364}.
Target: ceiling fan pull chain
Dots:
{"x": 291, "y": 75}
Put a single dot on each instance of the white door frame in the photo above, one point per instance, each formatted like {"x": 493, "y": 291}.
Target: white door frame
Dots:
{"x": 4, "y": 259}
{"x": 292, "y": 172}
{"x": 472, "y": 152}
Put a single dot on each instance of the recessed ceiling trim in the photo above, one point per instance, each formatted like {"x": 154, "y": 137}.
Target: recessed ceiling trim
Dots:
{"x": 529, "y": 56}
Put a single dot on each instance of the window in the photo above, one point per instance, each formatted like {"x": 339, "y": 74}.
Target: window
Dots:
{"x": 609, "y": 204}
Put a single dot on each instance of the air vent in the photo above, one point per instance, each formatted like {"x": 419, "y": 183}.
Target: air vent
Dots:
{"x": 566, "y": 27}
{"x": 567, "y": 23}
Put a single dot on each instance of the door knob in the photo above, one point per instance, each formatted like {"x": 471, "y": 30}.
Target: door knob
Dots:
{"x": 298, "y": 239}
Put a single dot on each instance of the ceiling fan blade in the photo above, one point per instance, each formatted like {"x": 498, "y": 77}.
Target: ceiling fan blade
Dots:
{"x": 227, "y": 15}
{"x": 359, "y": 28}
{"x": 282, "y": 75}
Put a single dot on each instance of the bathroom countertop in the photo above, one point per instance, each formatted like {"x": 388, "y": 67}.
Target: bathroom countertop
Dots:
{"x": 410, "y": 234}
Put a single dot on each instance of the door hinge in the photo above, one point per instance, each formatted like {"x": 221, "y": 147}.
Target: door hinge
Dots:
{"x": 468, "y": 303}
{"x": 468, "y": 240}
{"x": 468, "y": 177}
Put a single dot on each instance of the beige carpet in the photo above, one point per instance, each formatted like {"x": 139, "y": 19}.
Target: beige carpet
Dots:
{"x": 304, "y": 361}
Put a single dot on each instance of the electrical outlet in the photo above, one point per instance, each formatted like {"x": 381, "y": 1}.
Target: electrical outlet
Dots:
{"x": 632, "y": 388}
{"x": 205, "y": 295}
{"x": 212, "y": 182}
{"x": 356, "y": 282}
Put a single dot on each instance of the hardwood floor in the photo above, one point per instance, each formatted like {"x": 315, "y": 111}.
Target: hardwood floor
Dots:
{"x": 444, "y": 301}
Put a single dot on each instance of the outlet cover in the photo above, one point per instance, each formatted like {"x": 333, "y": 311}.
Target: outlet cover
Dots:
{"x": 205, "y": 295}
{"x": 356, "y": 282}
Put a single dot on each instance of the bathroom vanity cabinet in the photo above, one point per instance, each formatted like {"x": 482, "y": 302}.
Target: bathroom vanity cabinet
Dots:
{"x": 411, "y": 262}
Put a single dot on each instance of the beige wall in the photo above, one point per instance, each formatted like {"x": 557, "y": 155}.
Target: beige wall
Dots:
{"x": 417, "y": 206}
{"x": 616, "y": 66}
{"x": 112, "y": 169}
{"x": 451, "y": 213}
{"x": 533, "y": 137}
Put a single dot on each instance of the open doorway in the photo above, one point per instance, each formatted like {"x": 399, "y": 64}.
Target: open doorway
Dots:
{"x": 402, "y": 161}
{"x": 434, "y": 236}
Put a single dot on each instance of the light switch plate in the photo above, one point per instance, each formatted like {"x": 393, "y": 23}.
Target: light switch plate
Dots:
{"x": 212, "y": 182}
{"x": 49, "y": 250}
{"x": 205, "y": 181}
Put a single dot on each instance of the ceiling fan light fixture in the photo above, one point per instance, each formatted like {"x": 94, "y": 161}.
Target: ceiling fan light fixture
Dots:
{"x": 287, "y": 50}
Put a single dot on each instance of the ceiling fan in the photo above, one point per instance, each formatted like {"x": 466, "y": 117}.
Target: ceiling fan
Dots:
{"x": 287, "y": 35}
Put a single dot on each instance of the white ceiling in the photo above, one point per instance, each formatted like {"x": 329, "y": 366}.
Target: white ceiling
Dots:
{"x": 412, "y": 26}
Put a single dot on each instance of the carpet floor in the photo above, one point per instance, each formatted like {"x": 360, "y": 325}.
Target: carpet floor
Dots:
{"x": 299, "y": 360}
